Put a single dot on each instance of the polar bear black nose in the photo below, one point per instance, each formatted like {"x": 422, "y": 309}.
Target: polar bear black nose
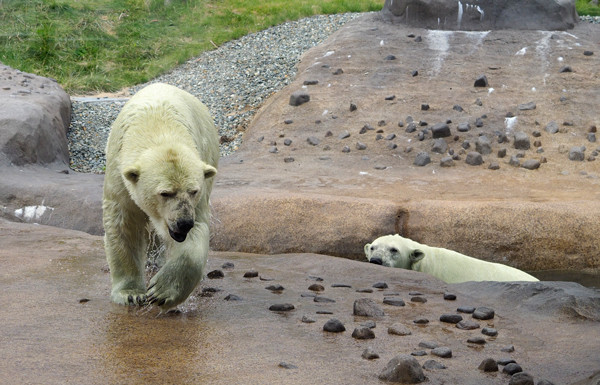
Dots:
{"x": 376, "y": 261}
{"x": 184, "y": 225}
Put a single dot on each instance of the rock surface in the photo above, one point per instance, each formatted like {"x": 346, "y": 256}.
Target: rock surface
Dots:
{"x": 75, "y": 326}
{"x": 484, "y": 14}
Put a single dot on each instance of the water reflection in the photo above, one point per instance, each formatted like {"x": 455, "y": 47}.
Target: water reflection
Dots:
{"x": 588, "y": 279}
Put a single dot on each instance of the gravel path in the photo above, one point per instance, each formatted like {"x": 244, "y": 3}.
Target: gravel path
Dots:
{"x": 232, "y": 80}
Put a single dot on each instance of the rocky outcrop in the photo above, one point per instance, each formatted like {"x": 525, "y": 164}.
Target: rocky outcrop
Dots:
{"x": 483, "y": 15}
{"x": 35, "y": 113}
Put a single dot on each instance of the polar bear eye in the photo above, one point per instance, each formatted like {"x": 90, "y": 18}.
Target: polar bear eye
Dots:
{"x": 393, "y": 250}
{"x": 193, "y": 192}
{"x": 167, "y": 194}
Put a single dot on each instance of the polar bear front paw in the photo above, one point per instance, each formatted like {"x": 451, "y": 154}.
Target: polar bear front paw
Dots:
{"x": 171, "y": 285}
{"x": 129, "y": 297}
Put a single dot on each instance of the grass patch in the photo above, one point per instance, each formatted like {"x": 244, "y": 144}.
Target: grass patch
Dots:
{"x": 105, "y": 45}
{"x": 585, "y": 7}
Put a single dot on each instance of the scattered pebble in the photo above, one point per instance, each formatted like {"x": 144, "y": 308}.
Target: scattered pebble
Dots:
{"x": 316, "y": 287}
{"x": 421, "y": 321}
{"x": 489, "y": 365}
{"x": 512, "y": 368}
{"x": 489, "y": 332}
{"x": 451, "y": 318}
{"x": 506, "y": 361}
{"x": 228, "y": 265}
{"x": 467, "y": 325}
{"x": 366, "y": 307}
{"x": 521, "y": 378}
{"x": 450, "y": 296}
{"x": 428, "y": 344}
{"x": 286, "y": 365}
{"x": 483, "y": 313}
{"x": 419, "y": 353}
{"x": 418, "y": 299}
{"x": 442, "y": 352}
{"x": 215, "y": 274}
{"x": 233, "y": 297}
{"x": 334, "y": 325}
{"x": 404, "y": 369}
{"x": 251, "y": 274}
{"x": 380, "y": 285}
{"x": 393, "y": 302}
{"x": 324, "y": 299}
{"x": 433, "y": 364}
{"x": 363, "y": 333}
{"x": 369, "y": 324}
{"x": 476, "y": 340}
{"x": 369, "y": 354}
{"x": 276, "y": 287}
{"x": 282, "y": 307}
{"x": 466, "y": 309}
{"x": 308, "y": 320}
{"x": 398, "y": 329}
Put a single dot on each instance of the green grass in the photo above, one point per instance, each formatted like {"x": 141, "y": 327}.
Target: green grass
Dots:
{"x": 105, "y": 45}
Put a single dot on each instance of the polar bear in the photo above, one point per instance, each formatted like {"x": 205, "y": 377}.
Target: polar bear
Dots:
{"x": 161, "y": 160}
{"x": 447, "y": 265}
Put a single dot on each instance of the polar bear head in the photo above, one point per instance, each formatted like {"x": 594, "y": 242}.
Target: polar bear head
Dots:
{"x": 167, "y": 183}
{"x": 393, "y": 251}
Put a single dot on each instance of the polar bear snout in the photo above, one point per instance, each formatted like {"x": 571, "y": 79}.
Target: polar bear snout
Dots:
{"x": 376, "y": 260}
{"x": 179, "y": 230}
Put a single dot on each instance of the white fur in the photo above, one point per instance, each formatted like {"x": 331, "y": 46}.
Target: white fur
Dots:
{"x": 447, "y": 265}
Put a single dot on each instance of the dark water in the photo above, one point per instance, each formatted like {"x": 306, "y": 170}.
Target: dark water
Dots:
{"x": 587, "y": 279}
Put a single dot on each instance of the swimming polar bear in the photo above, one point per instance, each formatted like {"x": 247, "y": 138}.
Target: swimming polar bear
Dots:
{"x": 447, "y": 265}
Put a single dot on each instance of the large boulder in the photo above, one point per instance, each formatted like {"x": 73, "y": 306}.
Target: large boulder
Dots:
{"x": 483, "y": 15}
{"x": 34, "y": 117}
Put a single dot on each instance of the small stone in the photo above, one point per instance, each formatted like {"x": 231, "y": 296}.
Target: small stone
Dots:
{"x": 307, "y": 320}
{"x": 282, "y": 307}
{"x": 418, "y": 299}
{"x": 508, "y": 349}
{"x": 404, "y": 369}
{"x": 286, "y": 365}
{"x": 474, "y": 158}
{"x": 451, "y": 318}
{"x": 440, "y": 130}
{"x": 439, "y": 146}
{"x": 316, "y": 287}
{"x": 476, "y": 340}
{"x": 353, "y": 107}
{"x": 421, "y": 321}
{"x": 390, "y": 57}
{"x": 334, "y": 325}
{"x": 478, "y": 122}
{"x": 577, "y": 153}
{"x": 228, "y": 265}
{"x": 527, "y": 106}
{"x": 311, "y": 82}
{"x": 494, "y": 166}
{"x": 390, "y": 97}
{"x": 324, "y": 312}
{"x": 457, "y": 108}
{"x": 215, "y": 274}
{"x": 481, "y": 81}
{"x": 450, "y": 297}
{"x": 276, "y": 287}
{"x": 463, "y": 127}
{"x": 288, "y": 159}
{"x": 478, "y": 102}
{"x": 552, "y": 127}
{"x": 521, "y": 141}
{"x": 369, "y": 324}
{"x": 366, "y": 307}
{"x": 433, "y": 364}
{"x": 591, "y": 137}
{"x": 514, "y": 161}
{"x": 361, "y": 146}
{"x": 502, "y": 153}
{"x": 367, "y": 290}
{"x": 299, "y": 97}
{"x": 338, "y": 71}
{"x": 424, "y": 107}
{"x": 565, "y": 69}
{"x": 506, "y": 361}
{"x": 483, "y": 145}
{"x": 422, "y": 159}
{"x": 489, "y": 332}
{"x": 418, "y": 39}
{"x": 390, "y": 137}
{"x": 323, "y": 300}
{"x": 587, "y": 53}
{"x": 410, "y": 128}
{"x": 512, "y": 368}
{"x": 414, "y": 73}
{"x": 393, "y": 302}
{"x": 483, "y": 313}
{"x": 419, "y": 353}
{"x": 380, "y": 285}
{"x": 273, "y": 150}
{"x": 313, "y": 141}
{"x": 233, "y": 297}
{"x": 467, "y": 325}
{"x": 466, "y": 309}
{"x": 531, "y": 164}
{"x": 341, "y": 285}
{"x": 287, "y": 142}
{"x": 369, "y": 354}
{"x": 399, "y": 330}
{"x": 521, "y": 378}
{"x": 428, "y": 344}
{"x": 346, "y": 149}
{"x": 251, "y": 274}
{"x": 288, "y": 121}
{"x": 442, "y": 352}
{"x": 488, "y": 365}
{"x": 362, "y": 333}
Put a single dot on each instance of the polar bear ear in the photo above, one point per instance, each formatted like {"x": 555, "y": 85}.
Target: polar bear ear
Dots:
{"x": 132, "y": 174}
{"x": 416, "y": 255}
{"x": 209, "y": 171}
{"x": 368, "y": 250}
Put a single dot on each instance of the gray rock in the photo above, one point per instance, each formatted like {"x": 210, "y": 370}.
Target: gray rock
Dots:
{"x": 419, "y": 353}
{"x": 287, "y": 142}
{"x": 451, "y": 318}
{"x": 403, "y": 369}
{"x": 380, "y": 285}
{"x": 308, "y": 320}
{"x": 457, "y": 108}
{"x": 313, "y": 140}
{"x": 369, "y": 324}
{"x": 334, "y": 325}
{"x": 489, "y": 332}
{"x": 418, "y": 299}
{"x": 433, "y": 364}
{"x": 422, "y": 159}
{"x": 478, "y": 122}
{"x": 393, "y": 302}
{"x": 424, "y": 107}
{"x": 489, "y": 365}
{"x": 474, "y": 158}
{"x": 449, "y": 296}
{"x": 463, "y": 127}
{"x": 344, "y": 135}
{"x": 282, "y": 307}
{"x": 323, "y": 300}
{"x": 591, "y": 137}
{"x": 232, "y": 297}
{"x": 299, "y": 97}
{"x": 366, "y": 307}
{"x": 361, "y": 146}
{"x": 476, "y": 340}
{"x": 439, "y": 146}
{"x": 494, "y": 166}
{"x": 527, "y": 106}
{"x": 251, "y": 274}
{"x": 440, "y": 130}
{"x": 428, "y": 344}
{"x": 398, "y": 329}
{"x": 421, "y": 321}
{"x": 287, "y": 365}
{"x": 33, "y": 125}
{"x": 481, "y": 81}
{"x": 521, "y": 378}
{"x": 508, "y": 349}
{"x": 531, "y": 164}
{"x": 369, "y": 354}
{"x": 544, "y": 382}
{"x": 514, "y": 161}
{"x": 467, "y": 325}
{"x": 466, "y": 309}
{"x": 512, "y": 368}
{"x": 363, "y": 333}
{"x": 483, "y": 145}
{"x": 577, "y": 153}
{"x": 506, "y": 361}
{"x": 565, "y": 69}
{"x": 488, "y": 15}
{"x": 442, "y": 352}
{"x": 411, "y": 127}
{"x": 483, "y": 313}
{"x": 522, "y": 141}
{"x": 552, "y": 127}
{"x": 215, "y": 274}
{"x": 316, "y": 287}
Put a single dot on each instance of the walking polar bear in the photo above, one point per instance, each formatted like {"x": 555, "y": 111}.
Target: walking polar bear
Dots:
{"x": 447, "y": 265}
{"x": 161, "y": 159}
